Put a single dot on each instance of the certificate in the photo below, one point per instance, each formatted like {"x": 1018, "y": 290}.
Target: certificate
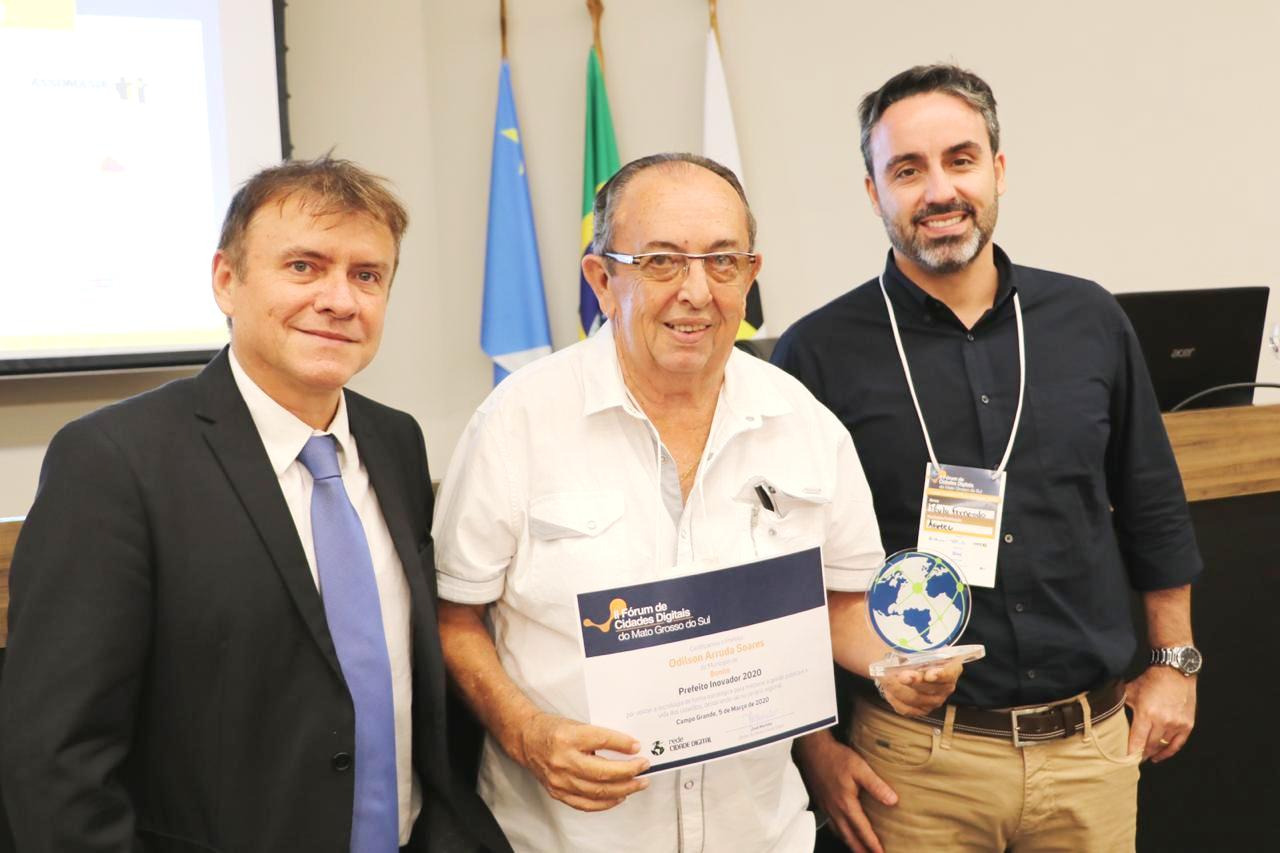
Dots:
{"x": 713, "y": 664}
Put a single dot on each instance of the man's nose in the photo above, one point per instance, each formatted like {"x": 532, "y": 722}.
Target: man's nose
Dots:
{"x": 336, "y": 294}
{"x": 696, "y": 289}
{"x": 939, "y": 187}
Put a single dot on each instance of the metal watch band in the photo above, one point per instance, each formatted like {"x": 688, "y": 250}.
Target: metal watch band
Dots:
{"x": 1173, "y": 657}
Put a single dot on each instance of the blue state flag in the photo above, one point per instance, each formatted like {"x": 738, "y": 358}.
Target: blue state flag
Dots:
{"x": 513, "y": 328}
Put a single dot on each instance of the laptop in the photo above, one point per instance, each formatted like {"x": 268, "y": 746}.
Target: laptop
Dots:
{"x": 1194, "y": 340}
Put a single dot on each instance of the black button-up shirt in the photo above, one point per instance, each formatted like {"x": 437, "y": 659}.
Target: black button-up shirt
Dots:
{"x": 1093, "y": 503}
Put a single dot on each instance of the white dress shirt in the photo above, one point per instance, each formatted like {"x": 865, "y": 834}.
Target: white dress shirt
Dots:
{"x": 560, "y": 485}
{"x": 283, "y": 435}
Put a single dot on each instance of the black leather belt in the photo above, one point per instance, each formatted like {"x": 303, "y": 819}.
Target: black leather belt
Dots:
{"x": 1032, "y": 723}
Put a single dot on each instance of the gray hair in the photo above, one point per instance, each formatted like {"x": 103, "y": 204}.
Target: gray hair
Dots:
{"x": 920, "y": 80}
{"x": 606, "y": 204}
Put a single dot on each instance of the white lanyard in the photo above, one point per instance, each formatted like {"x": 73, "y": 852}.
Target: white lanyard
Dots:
{"x": 1022, "y": 378}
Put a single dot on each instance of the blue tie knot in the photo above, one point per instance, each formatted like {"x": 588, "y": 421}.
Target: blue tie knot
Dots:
{"x": 320, "y": 456}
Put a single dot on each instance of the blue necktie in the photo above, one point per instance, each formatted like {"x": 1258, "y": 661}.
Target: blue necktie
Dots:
{"x": 354, "y": 614}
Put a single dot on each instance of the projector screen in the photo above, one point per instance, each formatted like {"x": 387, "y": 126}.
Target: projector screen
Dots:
{"x": 127, "y": 126}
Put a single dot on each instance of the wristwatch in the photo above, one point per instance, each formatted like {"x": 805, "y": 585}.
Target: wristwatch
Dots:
{"x": 1185, "y": 659}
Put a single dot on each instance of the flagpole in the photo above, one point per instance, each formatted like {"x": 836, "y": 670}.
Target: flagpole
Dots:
{"x": 596, "y": 8}
{"x": 502, "y": 25}
{"x": 715, "y": 24}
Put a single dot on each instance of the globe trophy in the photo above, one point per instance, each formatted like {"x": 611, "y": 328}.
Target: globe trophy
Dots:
{"x": 919, "y": 604}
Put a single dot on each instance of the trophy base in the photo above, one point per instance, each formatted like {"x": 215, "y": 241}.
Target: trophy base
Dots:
{"x": 898, "y": 661}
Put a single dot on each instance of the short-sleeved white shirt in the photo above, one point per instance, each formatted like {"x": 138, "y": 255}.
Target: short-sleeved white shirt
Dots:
{"x": 560, "y": 485}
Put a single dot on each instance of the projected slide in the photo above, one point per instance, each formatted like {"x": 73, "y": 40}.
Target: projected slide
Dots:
{"x": 114, "y": 174}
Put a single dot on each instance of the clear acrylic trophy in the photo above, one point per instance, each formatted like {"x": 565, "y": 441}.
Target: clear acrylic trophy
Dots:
{"x": 919, "y": 604}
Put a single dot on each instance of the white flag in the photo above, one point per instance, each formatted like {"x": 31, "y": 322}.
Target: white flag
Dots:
{"x": 720, "y": 143}
{"x": 719, "y": 138}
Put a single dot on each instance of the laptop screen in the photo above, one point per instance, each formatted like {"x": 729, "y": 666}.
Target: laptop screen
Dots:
{"x": 1194, "y": 340}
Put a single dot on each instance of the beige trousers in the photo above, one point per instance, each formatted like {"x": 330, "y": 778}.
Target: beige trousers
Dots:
{"x": 959, "y": 791}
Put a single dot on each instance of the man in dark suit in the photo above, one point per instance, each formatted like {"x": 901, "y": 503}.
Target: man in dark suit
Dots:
{"x": 222, "y": 630}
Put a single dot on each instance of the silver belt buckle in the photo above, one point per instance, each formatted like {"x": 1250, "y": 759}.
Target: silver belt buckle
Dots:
{"x": 1014, "y": 714}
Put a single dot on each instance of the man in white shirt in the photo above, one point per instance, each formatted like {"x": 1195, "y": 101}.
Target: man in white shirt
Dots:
{"x": 617, "y": 461}
{"x": 222, "y": 631}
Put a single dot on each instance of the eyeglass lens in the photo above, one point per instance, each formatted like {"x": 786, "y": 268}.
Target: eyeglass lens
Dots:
{"x": 722, "y": 268}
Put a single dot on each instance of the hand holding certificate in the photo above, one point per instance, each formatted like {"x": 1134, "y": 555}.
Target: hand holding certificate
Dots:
{"x": 713, "y": 664}
{"x": 560, "y": 753}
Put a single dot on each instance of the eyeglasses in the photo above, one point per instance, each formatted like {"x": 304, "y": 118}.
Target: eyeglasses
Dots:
{"x": 663, "y": 267}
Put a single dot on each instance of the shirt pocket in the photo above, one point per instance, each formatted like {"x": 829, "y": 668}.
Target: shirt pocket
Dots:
{"x": 573, "y": 539}
{"x": 787, "y": 515}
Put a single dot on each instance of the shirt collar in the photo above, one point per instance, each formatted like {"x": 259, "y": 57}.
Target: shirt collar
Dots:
{"x": 602, "y": 385}
{"x": 747, "y": 393}
{"x": 604, "y": 388}
{"x": 1005, "y": 285}
{"x": 283, "y": 434}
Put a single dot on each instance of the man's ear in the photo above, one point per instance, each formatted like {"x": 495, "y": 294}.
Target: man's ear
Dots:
{"x": 755, "y": 274}
{"x": 998, "y": 163}
{"x": 873, "y": 194}
{"x": 597, "y": 275}
{"x": 224, "y": 280}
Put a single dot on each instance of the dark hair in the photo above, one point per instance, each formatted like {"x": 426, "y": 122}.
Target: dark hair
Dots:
{"x": 329, "y": 185}
{"x": 607, "y": 198}
{"x": 920, "y": 80}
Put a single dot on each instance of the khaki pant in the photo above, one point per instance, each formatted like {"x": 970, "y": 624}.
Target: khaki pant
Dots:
{"x": 958, "y": 791}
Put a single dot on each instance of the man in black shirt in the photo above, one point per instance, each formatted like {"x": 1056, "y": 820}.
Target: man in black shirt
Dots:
{"x": 1036, "y": 378}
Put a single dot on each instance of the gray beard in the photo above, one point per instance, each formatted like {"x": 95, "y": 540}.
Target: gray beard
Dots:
{"x": 948, "y": 254}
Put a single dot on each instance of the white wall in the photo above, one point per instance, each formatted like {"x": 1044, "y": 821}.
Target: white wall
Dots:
{"x": 1138, "y": 141}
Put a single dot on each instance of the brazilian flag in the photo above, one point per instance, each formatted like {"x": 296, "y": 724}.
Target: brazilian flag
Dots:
{"x": 599, "y": 162}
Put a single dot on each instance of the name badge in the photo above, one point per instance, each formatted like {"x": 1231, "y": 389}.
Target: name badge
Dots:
{"x": 960, "y": 519}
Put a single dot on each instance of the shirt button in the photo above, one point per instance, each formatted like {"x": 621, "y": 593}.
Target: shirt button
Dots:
{"x": 773, "y": 532}
{"x": 1008, "y": 538}
{"x": 341, "y": 761}
{"x": 688, "y": 786}
{"x": 1031, "y": 674}
{"x": 1019, "y": 607}
{"x": 969, "y": 337}
{"x": 591, "y": 525}
{"x": 985, "y": 399}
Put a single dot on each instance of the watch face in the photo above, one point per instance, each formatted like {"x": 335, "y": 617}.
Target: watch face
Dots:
{"x": 1189, "y": 660}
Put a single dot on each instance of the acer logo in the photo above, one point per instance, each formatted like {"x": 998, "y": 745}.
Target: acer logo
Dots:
{"x": 1182, "y": 352}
